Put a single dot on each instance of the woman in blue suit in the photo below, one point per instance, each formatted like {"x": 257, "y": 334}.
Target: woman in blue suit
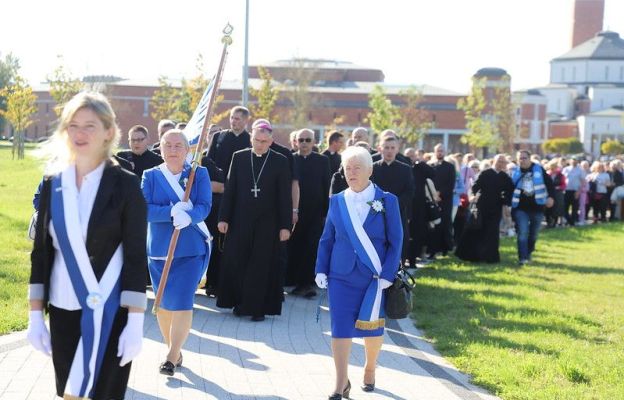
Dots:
{"x": 358, "y": 257}
{"x": 163, "y": 188}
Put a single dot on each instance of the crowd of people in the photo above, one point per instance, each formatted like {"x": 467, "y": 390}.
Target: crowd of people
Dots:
{"x": 260, "y": 218}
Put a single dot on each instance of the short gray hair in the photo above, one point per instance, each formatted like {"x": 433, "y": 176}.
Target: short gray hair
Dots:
{"x": 359, "y": 154}
{"x": 177, "y": 132}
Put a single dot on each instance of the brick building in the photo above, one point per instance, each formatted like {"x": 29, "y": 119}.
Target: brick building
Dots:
{"x": 338, "y": 90}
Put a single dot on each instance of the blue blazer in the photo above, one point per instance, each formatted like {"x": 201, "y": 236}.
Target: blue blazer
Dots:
{"x": 336, "y": 255}
{"x": 160, "y": 199}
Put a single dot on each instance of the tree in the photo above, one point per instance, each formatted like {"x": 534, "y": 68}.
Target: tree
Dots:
{"x": 562, "y": 146}
{"x": 503, "y": 115}
{"x": 301, "y": 72}
{"x": 414, "y": 120}
{"x": 480, "y": 125}
{"x": 63, "y": 86}
{"x": 9, "y": 68}
{"x": 20, "y": 107}
{"x": 266, "y": 97}
{"x": 612, "y": 147}
{"x": 383, "y": 114}
{"x": 179, "y": 103}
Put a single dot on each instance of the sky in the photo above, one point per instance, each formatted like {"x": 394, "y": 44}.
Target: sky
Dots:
{"x": 435, "y": 42}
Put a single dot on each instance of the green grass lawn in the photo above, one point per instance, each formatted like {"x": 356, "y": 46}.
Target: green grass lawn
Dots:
{"x": 551, "y": 330}
{"x": 18, "y": 181}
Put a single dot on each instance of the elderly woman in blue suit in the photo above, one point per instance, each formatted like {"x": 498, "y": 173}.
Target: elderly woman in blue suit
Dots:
{"x": 358, "y": 257}
{"x": 163, "y": 188}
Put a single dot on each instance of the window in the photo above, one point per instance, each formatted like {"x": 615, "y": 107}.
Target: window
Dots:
{"x": 145, "y": 107}
{"x": 562, "y": 74}
{"x": 47, "y": 108}
{"x": 622, "y": 73}
{"x": 607, "y": 73}
{"x": 573, "y": 73}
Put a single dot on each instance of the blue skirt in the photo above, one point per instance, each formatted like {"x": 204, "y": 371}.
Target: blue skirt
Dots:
{"x": 345, "y": 293}
{"x": 184, "y": 276}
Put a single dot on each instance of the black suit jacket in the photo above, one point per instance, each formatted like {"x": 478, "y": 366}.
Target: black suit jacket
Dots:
{"x": 119, "y": 215}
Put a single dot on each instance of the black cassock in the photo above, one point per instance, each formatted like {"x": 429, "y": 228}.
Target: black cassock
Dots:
{"x": 482, "y": 244}
{"x": 334, "y": 161}
{"x": 397, "y": 179}
{"x": 141, "y": 162}
{"x": 314, "y": 176}
{"x": 214, "y": 265}
{"x": 444, "y": 180}
{"x": 250, "y": 278}
{"x": 338, "y": 182}
{"x": 224, "y": 144}
{"x": 419, "y": 225}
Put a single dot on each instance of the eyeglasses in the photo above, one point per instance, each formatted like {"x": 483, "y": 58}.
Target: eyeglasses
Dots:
{"x": 306, "y": 140}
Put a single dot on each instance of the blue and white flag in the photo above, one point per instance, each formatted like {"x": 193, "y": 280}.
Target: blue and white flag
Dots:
{"x": 194, "y": 127}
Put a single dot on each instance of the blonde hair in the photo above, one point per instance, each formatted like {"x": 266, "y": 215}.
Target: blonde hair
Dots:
{"x": 58, "y": 151}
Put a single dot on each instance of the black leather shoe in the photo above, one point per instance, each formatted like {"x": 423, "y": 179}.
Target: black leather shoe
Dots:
{"x": 167, "y": 368}
{"x": 368, "y": 387}
{"x": 343, "y": 395}
{"x": 257, "y": 318}
{"x": 236, "y": 311}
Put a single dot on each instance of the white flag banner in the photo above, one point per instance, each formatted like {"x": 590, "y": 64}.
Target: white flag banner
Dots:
{"x": 194, "y": 127}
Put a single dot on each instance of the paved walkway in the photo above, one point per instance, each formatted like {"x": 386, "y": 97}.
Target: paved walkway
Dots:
{"x": 286, "y": 357}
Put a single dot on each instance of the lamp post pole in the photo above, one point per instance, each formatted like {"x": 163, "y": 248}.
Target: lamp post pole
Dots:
{"x": 246, "y": 63}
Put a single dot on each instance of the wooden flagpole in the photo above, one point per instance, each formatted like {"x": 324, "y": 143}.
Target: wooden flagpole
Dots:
{"x": 226, "y": 40}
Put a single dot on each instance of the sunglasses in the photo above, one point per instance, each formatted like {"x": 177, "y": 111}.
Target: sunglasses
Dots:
{"x": 306, "y": 140}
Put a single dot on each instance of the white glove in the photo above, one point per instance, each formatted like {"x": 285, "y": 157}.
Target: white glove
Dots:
{"x": 181, "y": 220}
{"x": 181, "y": 206}
{"x": 384, "y": 283}
{"x": 131, "y": 338}
{"x": 321, "y": 280}
{"x": 38, "y": 334}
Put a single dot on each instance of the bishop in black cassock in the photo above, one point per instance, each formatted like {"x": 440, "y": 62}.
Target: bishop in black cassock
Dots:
{"x": 255, "y": 215}
{"x": 314, "y": 176}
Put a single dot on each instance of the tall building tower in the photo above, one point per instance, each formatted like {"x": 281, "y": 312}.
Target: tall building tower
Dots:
{"x": 588, "y": 18}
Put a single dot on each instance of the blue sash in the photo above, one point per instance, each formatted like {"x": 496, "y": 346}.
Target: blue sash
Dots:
{"x": 99, "y": 300}
{"x": 371, "y": 312}
{"x": 176, "y": 194}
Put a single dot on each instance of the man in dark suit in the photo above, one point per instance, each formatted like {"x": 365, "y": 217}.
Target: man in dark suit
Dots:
{"x": 444, "y": 180}
{"x": 395, "y": 177}
{"x": 139, "y": 156}
{"x": 335, "y": 143}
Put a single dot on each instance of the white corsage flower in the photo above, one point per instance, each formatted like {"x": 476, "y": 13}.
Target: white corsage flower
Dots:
{"x": 376, "y": 205}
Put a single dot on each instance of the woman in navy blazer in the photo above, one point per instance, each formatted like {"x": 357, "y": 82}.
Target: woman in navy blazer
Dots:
{"x": 358, "y": 256}
{"x": 163, "y": 188}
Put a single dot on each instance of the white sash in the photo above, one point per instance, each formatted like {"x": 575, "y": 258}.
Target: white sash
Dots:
{"x": 100, "y": 291}
{"x": 358, "y": 227}
{"x": 175, "y": 185}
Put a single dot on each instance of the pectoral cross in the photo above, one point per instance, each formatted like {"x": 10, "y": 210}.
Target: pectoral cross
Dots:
{"x": 255, "y": 191}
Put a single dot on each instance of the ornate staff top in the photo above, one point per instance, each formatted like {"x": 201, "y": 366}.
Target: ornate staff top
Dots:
{"x": 227, "y": 32}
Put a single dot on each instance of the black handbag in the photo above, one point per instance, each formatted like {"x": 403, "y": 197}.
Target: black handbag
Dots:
{"x": 399, "y": 294}
{"x": 433, "y": 209}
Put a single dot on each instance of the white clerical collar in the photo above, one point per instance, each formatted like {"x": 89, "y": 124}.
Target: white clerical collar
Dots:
{"x": 260, "y": 155}
{"x": 387, "y": 163}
